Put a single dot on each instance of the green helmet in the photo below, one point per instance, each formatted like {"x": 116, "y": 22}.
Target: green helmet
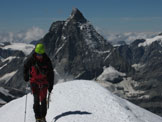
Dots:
{"x": 40, "y": 48}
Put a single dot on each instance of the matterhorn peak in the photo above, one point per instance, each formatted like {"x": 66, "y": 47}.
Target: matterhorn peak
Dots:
{"x": 77, "y": 15}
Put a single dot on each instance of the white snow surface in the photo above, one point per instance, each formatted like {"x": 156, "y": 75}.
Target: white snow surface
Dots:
{"x": 150, "y": 41}
{"x": 26, "y": 48}
{"x": 110, "y": 73}
{"x": 79, "y": 101}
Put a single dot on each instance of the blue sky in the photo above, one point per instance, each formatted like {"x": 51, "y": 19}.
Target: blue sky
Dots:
{"x": 110, "y": 15}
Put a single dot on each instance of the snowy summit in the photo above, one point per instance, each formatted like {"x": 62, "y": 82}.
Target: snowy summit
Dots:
{"x": 151, "y": 40}
{"x": 79, "y": 101}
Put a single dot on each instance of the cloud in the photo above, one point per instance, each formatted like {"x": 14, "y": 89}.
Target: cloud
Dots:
{"x": 128, "y": 37}
{"x": 34, "y": 33}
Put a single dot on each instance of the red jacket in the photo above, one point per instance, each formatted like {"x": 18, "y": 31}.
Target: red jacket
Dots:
{"x": 40, "y": 73}
{"x": 37, "y": 76}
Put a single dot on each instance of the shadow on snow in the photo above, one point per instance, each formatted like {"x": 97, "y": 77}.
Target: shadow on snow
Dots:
{"x": 70, "y": 113}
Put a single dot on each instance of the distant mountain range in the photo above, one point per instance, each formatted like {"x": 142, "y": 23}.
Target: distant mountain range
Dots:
{"x": 78, "y": 51}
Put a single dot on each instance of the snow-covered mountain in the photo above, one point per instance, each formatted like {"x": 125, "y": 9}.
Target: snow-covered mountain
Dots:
{"x": 12, "y": 56}
{"x": 149, "y": 41}
{"x": 25, "y": 48}
{"x": 79, "y": 101}
{"x": 143, "y": 85}
{"x": 77, "y": 51}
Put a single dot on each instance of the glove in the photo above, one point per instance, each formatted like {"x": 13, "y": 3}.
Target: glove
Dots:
{"x": 50, "y": 89}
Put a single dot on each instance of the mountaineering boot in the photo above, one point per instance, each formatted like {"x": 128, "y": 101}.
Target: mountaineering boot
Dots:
{"x": 43, "y": 120}
{"x": 38, "y": 120}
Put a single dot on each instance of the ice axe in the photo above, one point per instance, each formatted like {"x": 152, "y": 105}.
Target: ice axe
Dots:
{"x": 26, "y": 99}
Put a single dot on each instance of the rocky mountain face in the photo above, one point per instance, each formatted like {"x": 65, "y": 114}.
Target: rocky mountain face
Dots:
{"x": 76, "y": 48}
{"x": 148, "y": 73}
{"x": 11, "y": 63}
{"x": 77, "y": 51}
{"x": 143, "y": 85}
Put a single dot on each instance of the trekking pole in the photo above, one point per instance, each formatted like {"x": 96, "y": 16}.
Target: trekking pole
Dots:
{"x": 48, "y": 100}
{"x": 25, "y": 102}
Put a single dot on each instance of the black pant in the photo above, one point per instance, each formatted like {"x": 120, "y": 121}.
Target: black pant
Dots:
{"x": 40, "y": 108}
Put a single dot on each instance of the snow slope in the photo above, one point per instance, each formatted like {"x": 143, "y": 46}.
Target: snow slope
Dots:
{"x": 80, "y": 101}
{"x": 150, "y": 41}
{"x": 110, "y": 73}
